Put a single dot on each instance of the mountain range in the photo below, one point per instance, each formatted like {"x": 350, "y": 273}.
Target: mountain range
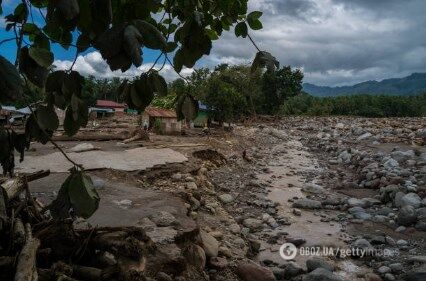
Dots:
{"x": 410, "y": 85}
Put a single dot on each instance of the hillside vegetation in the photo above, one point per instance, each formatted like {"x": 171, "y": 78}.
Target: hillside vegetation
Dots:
{"x": 357, "y": 105}
{"x": 411, "y": 85}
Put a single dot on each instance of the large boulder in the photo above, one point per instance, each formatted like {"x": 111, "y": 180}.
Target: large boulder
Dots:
{"x": 250, "y": 271}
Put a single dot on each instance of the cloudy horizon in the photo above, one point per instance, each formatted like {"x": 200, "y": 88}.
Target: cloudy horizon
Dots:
{"x": 334, "y": 42}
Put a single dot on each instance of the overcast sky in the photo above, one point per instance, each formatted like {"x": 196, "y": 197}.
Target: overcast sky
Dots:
{"x": 335, "y": 42}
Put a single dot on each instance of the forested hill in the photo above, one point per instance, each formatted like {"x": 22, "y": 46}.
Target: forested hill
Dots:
{"x": 411, "y": 85}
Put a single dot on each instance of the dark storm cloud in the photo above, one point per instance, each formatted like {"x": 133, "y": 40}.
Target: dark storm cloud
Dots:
{"x": 338, "y": 41}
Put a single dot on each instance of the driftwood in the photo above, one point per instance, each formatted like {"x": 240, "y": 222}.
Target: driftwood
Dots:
{"x": 13, "y": 187}
{"x": 26, "y": 268}
{"x": 3, "y": 210}
{"x": 18, "y": 233}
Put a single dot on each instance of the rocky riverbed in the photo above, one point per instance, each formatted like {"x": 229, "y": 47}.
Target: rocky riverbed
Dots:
{"x": 348, "y": 193}
{"x": 319, "y": 183}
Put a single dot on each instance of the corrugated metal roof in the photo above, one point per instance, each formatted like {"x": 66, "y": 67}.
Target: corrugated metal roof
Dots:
{"x": 110, "y": 104}
{"x": 160, "y": 112}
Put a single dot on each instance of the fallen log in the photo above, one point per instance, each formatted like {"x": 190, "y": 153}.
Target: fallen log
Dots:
{"x": 26, "y": 268}
{"x": 13, "y": 187}
{"x": 18, "y": 233}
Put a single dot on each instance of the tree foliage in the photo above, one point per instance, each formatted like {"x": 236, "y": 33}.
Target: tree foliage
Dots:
{"x": 120, "y": 31}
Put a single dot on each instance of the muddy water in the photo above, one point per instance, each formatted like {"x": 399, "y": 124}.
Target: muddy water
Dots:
{"x": 291, "y": 168}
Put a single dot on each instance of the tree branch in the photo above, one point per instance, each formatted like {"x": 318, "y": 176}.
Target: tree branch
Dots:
{"x": 7, "y": 40}
{"x": 254, "y": 44}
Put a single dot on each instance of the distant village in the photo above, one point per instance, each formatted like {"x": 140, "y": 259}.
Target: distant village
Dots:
{"x": 158, "y": 120}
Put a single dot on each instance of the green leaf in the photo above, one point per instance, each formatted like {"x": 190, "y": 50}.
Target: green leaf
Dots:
{"x": 211, "y": 34}
{"x": 10, "y": 83}
{"x": 39, "y": 3}
{"x": 42, "y": 57}
{"x": 241, "y": 30}
{"x": 255, "y": 24}
{"x": 132, "y": 46}
{"x": 34, "y": 72}
{"x": 158, "y": 83}
{"x": 34, "y": 132}
{"x": 54, "y": 81}
{"x": 68, "y": 8}
{"x": 83, "y": 42}
{"x": 190, "y": 108}
{"x": 141, "y": 92}
{"x": 47, "y": 118}
{"x": 151, "y": 36}
{"x": 136, "y": 99}
{"x": 264, "y": 59}
{"x": 171, "y": 46}
{"x": 30, "y": 28}
{"x": 178, "y": 60}
{"x": 83, "y": 196}
{"x": 60, "y": 207}
{"x": 41, "y": 41}
{"x": 71, "y": 127}
{"x": 85, "y": 16}
{"x": 255, "y": 15}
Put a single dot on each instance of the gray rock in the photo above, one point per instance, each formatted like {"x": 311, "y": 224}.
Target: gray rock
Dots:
{"x": 209, "y": 244}
{"x": 411, "y": 199}
{"x": 307, "y": 204}
{"x": 321, "y": 274}
{"x": 396, "y": 267}
{"x": 226, "y": 198}
{"x": 316, "y": 262}
{"x": 398, "y": 199}
{"x": 252, "y": 224}
{"x": 362, "y": 244}
{"x": 364, "y": 136}
{"x": 354, "y": 202}
{"x": 401, "y": 243}
{"x": 235, "y": 228}
{"x": 402, "y": 156}
{"x": 384, "y": 269}
{"x": 163, "y": 218}
{"x": 191, "y": 185}
{"x": 407, "y": 216}
{"x": 385, "y": 211}
{"x": 313, "y": 188}
{"x": 292, "y": 269}
{"x": 391, "y": 164}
